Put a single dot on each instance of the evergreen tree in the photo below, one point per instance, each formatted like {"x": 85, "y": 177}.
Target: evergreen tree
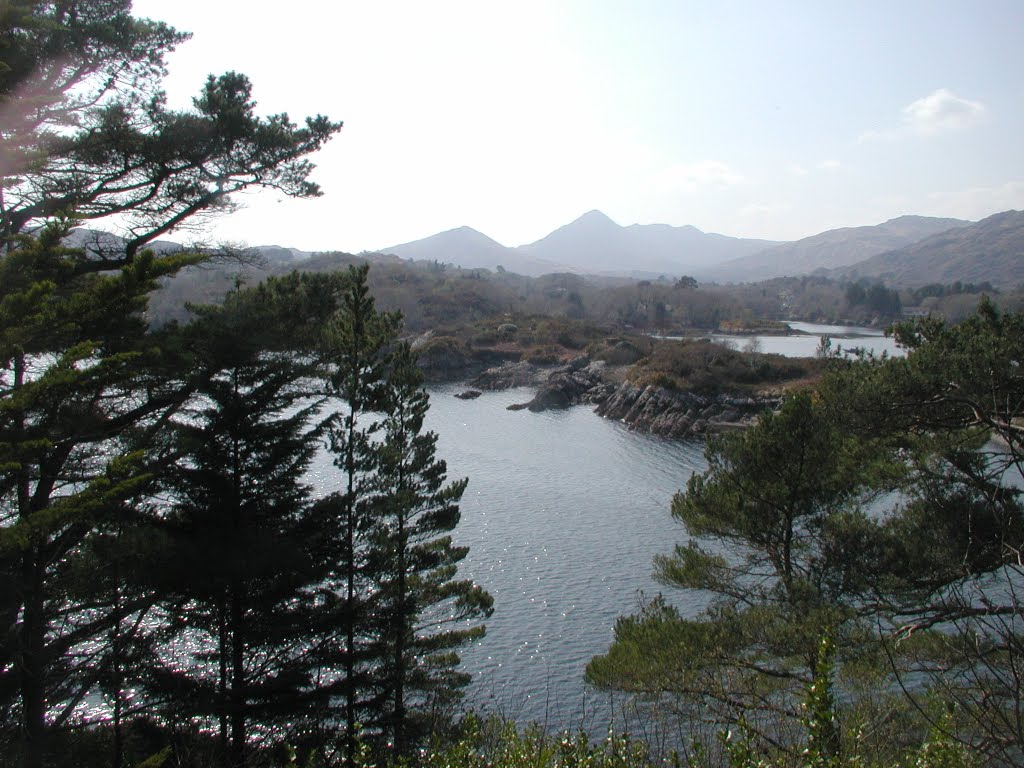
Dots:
{"x": 90, "y": 132}
{"x": 242, "y": 562}
{"x": 86, "y": 390}
{"x": 423, "y": 611}
{"x": 392, "y": 612}
{"x": 954, "y": 405}
{"x": 356, "y": 340}
{"x": 782, "y": 544}
{"x": 82, "y": 393}
{"x": 780, "y": 541}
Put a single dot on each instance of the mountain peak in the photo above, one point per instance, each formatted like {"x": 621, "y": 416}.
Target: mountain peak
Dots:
{"x": 467, "y": 232}
{"x": 594, "y": 218}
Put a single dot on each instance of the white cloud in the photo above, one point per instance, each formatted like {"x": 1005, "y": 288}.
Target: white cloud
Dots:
{"x": 797, "y": 170}
{"x": 940, "y": 112}
{"x": 829, "y": 165}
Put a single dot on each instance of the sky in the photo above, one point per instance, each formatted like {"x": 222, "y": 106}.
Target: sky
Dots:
{"x": 773, "y": 120}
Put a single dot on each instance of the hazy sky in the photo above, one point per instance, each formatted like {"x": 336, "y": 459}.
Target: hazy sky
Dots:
{"x": 753, "y": 119}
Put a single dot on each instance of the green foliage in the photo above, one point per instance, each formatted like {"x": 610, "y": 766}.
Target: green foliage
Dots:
{"x": 783, "y": 542}
{"x": 93, "y": 134}
{"x": 83, "y": 392}
{"x": 422, "y": 612}
{"x": 780, "y": 544}
{"x": 241, "y": 558}
{"x": 820, "y": 722}
{"x": 496, "y": 744}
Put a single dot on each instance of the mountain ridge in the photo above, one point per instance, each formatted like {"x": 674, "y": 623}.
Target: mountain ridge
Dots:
{"x": 990, "y": 250}
{"x": 836, "y": 248}
{"x": 592, "y": 243}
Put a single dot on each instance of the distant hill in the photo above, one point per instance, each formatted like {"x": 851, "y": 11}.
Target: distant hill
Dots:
{"x": 833, "y": 249}
{"x": 465, "y": 247}
{"x": 276, "y": 254}
{"x": 991, "y": 250}
{"x": 98, "y": 241}
{"x": 592, "y": 244}
{"x": 595, "y": 244}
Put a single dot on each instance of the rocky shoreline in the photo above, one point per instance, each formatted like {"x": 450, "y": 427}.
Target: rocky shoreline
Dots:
{"x": 675, "y": 414}
{"x": 651, "y": 409}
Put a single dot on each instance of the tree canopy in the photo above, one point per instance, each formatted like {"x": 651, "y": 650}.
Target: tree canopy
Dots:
{"x": 884, "y": 510}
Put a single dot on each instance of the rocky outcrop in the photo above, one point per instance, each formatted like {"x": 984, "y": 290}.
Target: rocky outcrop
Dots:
{"x": 675, "y": 414}
{"x": 469, "y": 394}
{"x": 442, "y": 358}
{"x": 653, "y": 409}
{"x": 580, "y": 381}
{"x": 509, "y": 375}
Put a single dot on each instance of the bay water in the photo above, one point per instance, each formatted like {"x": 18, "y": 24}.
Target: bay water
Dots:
{"x": 562, "y": 516}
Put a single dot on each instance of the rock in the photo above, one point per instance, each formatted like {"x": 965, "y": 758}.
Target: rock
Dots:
{"x": 469, "y": 394}
{"x": 442, "y": 358}
{"x": 669, "y": 413}
{"x": 578, "y": 363}
{"x": 509, "y": 375}
{"x": 570, "y": 385}
{"x": 550, "y": 397}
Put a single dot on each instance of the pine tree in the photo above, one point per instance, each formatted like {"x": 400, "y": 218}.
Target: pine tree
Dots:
{"x": 423, "y": 612}
{"x": 392, "y": 611}
{"x": 82, "y": 393}
{"x": 86, "y": 391}
{"x": 355, "y": 345}
{"x": 781, "y": 543}
{"x": 243, "y": 558}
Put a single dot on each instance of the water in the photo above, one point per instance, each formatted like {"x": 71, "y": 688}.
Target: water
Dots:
{"x": 845, "y": 337}
{"x": 563, "y": 514}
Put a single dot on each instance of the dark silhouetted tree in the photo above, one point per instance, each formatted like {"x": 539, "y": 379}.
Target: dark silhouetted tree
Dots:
{"x": 86, "y": 392}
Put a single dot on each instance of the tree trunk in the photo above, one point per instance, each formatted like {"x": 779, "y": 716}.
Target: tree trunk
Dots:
{"x": 238, "y": 697}
{"x": 33, "y": 635}
{"x": 33, "y": 624}
{"x": 403, "y": 621}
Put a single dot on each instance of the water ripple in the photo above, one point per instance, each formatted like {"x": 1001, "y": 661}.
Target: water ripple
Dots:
{"x": 563, "y": 515}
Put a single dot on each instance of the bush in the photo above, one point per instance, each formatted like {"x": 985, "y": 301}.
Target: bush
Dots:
{"x": 708, "y": 368}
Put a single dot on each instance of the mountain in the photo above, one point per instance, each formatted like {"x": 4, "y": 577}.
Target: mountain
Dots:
{"x": 991, "y": 250}
{"x": 465, "y": 247}
{"x": 834, "y": 249}
{"x": 594, "y": 243}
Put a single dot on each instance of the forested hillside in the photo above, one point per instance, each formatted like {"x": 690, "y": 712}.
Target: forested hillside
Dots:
{"x": 987, "y": 251}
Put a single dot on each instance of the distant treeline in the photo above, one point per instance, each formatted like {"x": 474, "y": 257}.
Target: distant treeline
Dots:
{"x": 433, "y": 295}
